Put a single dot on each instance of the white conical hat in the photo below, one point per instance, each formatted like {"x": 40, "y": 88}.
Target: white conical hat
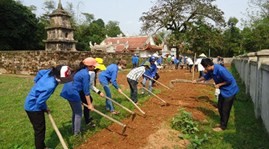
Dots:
{"x": 202, "y": 55}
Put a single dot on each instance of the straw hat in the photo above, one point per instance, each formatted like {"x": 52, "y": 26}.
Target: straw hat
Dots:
{"x": 202, "y": 55}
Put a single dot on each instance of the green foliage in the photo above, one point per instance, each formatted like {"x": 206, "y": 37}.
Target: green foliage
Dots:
{"x": 16, "y": 130}
{"x": 185, "y": 123}
{"x": 19, "y": 27}
{"x": 113, "y": 29}
{"x": 178, "y": 16}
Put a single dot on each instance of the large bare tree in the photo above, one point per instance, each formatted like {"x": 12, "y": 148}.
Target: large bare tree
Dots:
{"x": 178, "y": 15}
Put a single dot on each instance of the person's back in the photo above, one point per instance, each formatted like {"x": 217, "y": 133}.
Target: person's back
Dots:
{"x": 110, "y": 72}
{"x": 44, "y": 86}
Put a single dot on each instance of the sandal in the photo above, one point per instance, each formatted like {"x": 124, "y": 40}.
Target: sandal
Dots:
{"x": 115, "y": 112}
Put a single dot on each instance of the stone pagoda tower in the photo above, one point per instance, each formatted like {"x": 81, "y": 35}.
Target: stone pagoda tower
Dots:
{"x": 60, "y": 35}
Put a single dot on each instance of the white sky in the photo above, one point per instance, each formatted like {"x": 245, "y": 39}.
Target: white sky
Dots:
{"x": 128, "y": 12}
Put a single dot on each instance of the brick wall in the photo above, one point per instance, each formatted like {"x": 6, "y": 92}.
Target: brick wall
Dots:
{"x": 29, "y": 62}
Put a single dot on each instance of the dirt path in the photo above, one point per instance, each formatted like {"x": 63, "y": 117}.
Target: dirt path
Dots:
{"x": 153, "y": 130}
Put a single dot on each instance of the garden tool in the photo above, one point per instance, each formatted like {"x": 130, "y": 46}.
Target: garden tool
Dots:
{"x": 57, "y": 131}
{"x": 133, "y": 103}
{"x": 188, "y": 81}
{"x": 155, "y": 95}
{"x": 109, "y": 118}
{"x": 157, "y": 82}
{"x": 133, "y": 113}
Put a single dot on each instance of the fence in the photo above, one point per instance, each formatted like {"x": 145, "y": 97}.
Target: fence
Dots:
{"x": 253, "y": 69}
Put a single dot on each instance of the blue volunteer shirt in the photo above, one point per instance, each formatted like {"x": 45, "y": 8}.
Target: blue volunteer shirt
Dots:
{"x": 151, "y": 72}
{"x": 80, "y": 83}
{"x": 221, "y": 74}
{"x": 133, "y": 59}
{"x": 41, "y": 91}
{"x": 109, "y": 75}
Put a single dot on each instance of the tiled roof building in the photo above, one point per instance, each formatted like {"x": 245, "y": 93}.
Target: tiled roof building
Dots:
{"x": 142, "y": 45}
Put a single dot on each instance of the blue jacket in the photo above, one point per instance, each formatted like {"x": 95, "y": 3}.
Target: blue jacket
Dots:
{"x": 133, "y": 59}
{"x": 109, "y": 75}
{"x": 151, "y": 72}
{"x": 221, "y": 74}
{"x": 176, "y": 61}
{"x": 41, "y": 91}
{"x": 80, "y": 83}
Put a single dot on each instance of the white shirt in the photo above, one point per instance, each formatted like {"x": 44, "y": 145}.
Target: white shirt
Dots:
{"x": 92, "y": 78}
{"x": 189, "y": 61}
{"x": 198, "y": 62}
{"x": 136, "y": 73}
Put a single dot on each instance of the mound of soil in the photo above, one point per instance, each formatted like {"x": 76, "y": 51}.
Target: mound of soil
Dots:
{"x": 153, "y": 130}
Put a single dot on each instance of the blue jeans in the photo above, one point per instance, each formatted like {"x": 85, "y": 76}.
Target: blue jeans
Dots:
{"x": 76, "y": 116}
{"x": 150, "y": 83}
{"x": 109, "y": 105}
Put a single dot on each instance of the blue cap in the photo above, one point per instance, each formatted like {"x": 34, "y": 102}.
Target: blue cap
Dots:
{"x": 152, "y": 59}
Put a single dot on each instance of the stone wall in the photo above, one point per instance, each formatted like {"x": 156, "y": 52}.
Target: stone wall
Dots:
{"x": 254, "y": 72}
{"x": 29, "y": 62}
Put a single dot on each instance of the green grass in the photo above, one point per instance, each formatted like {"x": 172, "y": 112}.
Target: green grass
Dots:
{"x": 244, "y": 130}
{"x": 16, "y": 130}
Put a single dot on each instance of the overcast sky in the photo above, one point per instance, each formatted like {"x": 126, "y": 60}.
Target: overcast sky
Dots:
{"x": 128, "y": 12}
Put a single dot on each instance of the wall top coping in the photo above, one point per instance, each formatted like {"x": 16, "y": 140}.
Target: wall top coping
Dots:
{"x": 264, "y": 52}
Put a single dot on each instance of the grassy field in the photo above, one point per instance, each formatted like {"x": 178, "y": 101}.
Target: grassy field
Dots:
{"x": 244, "y": 130}
{"x": 16, "y": 130}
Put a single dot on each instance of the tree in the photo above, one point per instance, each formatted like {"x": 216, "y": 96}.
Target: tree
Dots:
{"x": 232, "y": 39}
{"x": 178, "y": 15}
{"x": 19, "y": 28}
{"x": 113, "y": 29}
{"x": 202, "y": 37}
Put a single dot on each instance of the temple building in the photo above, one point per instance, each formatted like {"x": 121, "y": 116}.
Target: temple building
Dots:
{"x": 140, "y": 45}
{"x": 60, "y": 36}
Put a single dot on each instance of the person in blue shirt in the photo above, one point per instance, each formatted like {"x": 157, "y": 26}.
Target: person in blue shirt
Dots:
{"x": 225, "y": 82}
{"x": 35, "y": 104}
{"x": 110, "y": 76}
{"x": 135, "y": 60}
{"x": 150, "y": 74}
{"x": 78, "y": 91}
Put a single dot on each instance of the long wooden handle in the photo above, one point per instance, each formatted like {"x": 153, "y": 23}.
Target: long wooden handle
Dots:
{"x": 133, "y": 103}
{"x": 154, "y": 94}
{"x": 57, "y": 132}
{"x": 120, "y": 105}
{"x": 157, "y": 82}
{"x": 106, "y": 116}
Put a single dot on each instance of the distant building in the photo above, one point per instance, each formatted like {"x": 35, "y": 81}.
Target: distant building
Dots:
{"x": 60, "y": 35}
{"x": 141, "y": 45}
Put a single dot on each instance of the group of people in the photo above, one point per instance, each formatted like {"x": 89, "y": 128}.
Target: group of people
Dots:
{"x": 76, "y": 90}
{"x": 77, "y": 86}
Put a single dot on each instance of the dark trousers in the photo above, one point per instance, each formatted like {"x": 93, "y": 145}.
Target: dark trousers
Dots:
{"x": 133, "y": 88}
{"x": 135, "y": 65}
{"x": 86, "y": 111}
{"x": 224, "y": 107}
{"x": 37, "y": 118}
{"x": 156, "y": 77}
